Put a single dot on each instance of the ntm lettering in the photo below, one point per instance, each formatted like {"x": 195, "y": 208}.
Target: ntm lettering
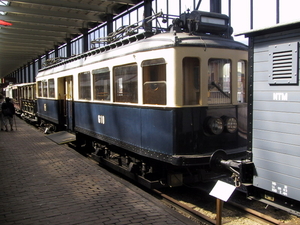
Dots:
{"x": 280, "y": 96}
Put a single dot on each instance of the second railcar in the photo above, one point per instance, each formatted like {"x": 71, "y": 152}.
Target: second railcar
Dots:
{"x": 274, "y": 119}
{"x": 24, "y": 98}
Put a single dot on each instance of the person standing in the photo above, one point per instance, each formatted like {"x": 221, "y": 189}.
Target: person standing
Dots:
{"x": 8, "y": 111}
{"x": 1, "y": 115}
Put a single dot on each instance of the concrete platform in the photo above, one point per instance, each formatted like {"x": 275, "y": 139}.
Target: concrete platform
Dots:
{"x": 42, "y": 182}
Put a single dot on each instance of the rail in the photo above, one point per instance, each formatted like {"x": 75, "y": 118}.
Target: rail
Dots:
{"x": 200, "y": 217}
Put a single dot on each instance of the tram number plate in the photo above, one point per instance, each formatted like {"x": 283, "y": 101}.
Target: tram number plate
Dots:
{"x": 101, "y": 119}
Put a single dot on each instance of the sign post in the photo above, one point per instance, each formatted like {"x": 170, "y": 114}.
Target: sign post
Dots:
{"x": 219, "y": 204}
{"x": 222, "y": 191}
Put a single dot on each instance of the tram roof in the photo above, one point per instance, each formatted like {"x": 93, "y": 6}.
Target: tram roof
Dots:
{"x": 271, "y": 30}
{"x": 148, "y": 42}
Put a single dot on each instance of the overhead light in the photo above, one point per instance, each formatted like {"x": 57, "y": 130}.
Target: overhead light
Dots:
{"x": 4, "y": 3}
{"x": 4, "y": 23}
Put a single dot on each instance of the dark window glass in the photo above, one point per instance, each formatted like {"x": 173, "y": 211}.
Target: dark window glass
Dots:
{"x": 125, "y": 84}
{"x": 101, "y": 84}
{"x": 191, "y": 81}
{"x": 85, "y": 86}
{"x": 241, "y": 93}
{"x": 39, "y": 88}
{"x": 45, "y": 89}
{"x": 51, "y": 88}
{"x": 154, "y": 80}
{"x": 219, "y": 81}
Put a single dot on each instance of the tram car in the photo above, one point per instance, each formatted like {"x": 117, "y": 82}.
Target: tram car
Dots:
{"x": 23, "y": 97}
{"x": 274, "y": 125}
{"x": 155, "y": 105}
{"x": 8, "y": 91}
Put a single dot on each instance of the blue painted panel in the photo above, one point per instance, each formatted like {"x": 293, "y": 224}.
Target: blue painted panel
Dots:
{"x": 145, "y": 128}
{"x": 125, "y": 124}
{"x": 167, "y": 131}
{"x": 69, "y": 120}
{"x": 117, "y": 122}
{"x": 85, "y": 116}
{"x": 158, "y": 130}
{"x": 48, "y": 109}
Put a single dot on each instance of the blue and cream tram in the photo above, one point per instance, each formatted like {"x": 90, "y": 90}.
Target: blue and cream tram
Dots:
{"x": 155, "y": 105}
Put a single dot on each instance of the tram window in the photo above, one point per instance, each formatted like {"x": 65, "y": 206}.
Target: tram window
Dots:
{"x": 24, "y": 93}
{"x": 51, "y": 88}
{"x": 40, "y": 89}
{"x": 29, "y": 93}
{"x": 15, "y": 94}
{"x": 154, "y": 79}
{"x": 191, "y": 81}
{"x": 219, "y": 81}
{"x": 32, "y": 94}
{"x": 125, "y": 84}
{"x": 45, "y": 89}
{"x": 241, "y": 76}
{"x": 101, "y": 84}
{"x": 85, "y": 85}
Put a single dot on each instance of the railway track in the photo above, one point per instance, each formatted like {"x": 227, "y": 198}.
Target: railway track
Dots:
{"x": 254, "y": 215}
{"x": 182, "y": 208}
{"x": 243, "y": 215}
{"x": 240, "y": 214}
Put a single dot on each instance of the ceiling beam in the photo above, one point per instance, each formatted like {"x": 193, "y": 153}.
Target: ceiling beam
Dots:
{"x": 17, "y": 18}
{"x": 85, "y": 4}
{"x": 14, "y": 40}
{"x": 104, "y": 5}
{"x": 23, "y": 28}
{"x": 26, "y": 45}
{"x": 24, "y": 56}
{"x": 51, "y": 13}
{"x": 41, "y": 25}
{"x": 16, "y": 46}
{"x": 29, "y": 36}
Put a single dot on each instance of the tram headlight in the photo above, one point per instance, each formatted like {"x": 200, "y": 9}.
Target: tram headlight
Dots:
{"x": 230, "y": 124}
{"x": 215, "y": 125}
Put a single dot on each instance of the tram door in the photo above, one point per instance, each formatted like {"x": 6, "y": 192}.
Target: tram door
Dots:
{"x": 68, "y": 103}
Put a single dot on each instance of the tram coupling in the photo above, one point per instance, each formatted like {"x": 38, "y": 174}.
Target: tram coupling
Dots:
{"x": 242, "y": 170}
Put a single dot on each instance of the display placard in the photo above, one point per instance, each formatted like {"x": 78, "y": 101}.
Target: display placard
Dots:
{"x": 222, "y": 190}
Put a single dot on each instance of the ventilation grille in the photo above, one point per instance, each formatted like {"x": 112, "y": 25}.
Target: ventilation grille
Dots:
{"x": 283, "y": 64}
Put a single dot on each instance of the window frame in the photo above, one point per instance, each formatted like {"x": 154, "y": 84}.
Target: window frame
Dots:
{"x": 39, "y": 89}
{"x": 45, "y": 88}
{"x": 82, "y": 93}
{"x": 51, "y": 90}
{"x": 242, "y": 81}
{"x": 217, "y": 89}
{"x": 154, "y": 85}
{"x": 105, "y": 74}
{"x": 191, "y": 95}
{"x": 125, "y": 92}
